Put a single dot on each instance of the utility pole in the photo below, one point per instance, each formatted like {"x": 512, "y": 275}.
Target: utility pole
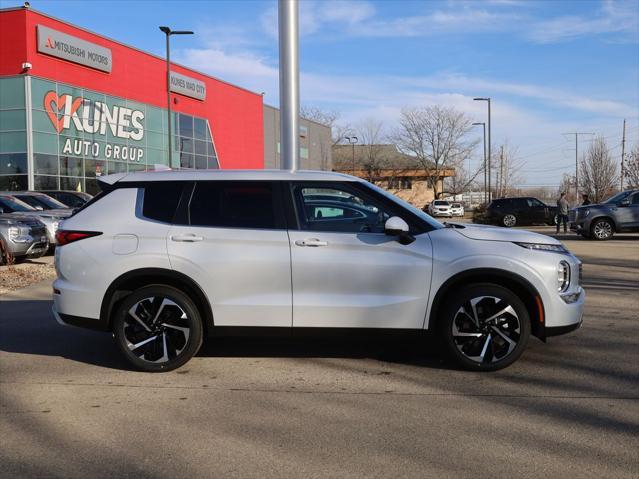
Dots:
{"x": 288, "y": 25}
{"x": 577, "y": 133}
{"x": 623, "y": 151}
{"x": 501, "y": 172}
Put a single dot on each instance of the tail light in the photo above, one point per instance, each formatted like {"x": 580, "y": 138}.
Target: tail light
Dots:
{"x": 65, "y": 237}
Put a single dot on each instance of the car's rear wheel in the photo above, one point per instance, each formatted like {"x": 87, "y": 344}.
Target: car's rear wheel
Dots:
{"x": 509, "y": 220}
{"x": 158, "y": 328}
{"x": 485, "y": 328}
{"x": 602, "y": 230}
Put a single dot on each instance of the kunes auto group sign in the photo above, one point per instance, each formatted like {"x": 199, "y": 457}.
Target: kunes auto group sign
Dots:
{"x": 97, "y": 118}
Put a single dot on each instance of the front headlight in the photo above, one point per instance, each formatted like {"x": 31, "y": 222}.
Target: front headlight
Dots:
{"x": 553, "y": 248}
{"x": 19, "y": 234}
{"x": 563, "y": 276}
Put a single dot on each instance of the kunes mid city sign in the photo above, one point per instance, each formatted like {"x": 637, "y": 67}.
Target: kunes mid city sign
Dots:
{"x": 94, "y": 117}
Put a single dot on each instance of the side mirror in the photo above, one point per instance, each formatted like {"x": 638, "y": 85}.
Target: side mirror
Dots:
{"x": 1, "y": 210}
{"x": 39, "y": 208}
{"x": 395, "y": 226}
{"x": 624, "y": 203}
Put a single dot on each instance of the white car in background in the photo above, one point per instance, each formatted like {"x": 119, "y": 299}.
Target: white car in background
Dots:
{"x": 457, "y": 209}
{"x": 164, "y": 259}
{"x": 440, "y": 208}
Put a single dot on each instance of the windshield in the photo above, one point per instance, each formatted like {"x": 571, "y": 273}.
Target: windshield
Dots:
{"x": 46, "y": 202}
{"x": 10, "y": 205}
{"x": 416, "y": 211}
{"x": 440, "y": 203}
{"x": 618, "y": 197}
{"x": 456, "y": 205}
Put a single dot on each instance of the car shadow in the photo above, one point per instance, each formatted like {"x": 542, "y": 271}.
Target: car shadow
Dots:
{"x": 29, "y": 327}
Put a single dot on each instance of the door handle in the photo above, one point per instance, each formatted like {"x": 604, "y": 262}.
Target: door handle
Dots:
{"x": 186, "y": 238}
{"x": 313, "y": 242}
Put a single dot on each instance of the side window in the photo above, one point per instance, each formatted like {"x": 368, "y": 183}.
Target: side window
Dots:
{"x": 635, "y": 199}
{"x": 233, "y": 204}
{"x": 338, "y": 209}
{"x": 161, "y": 199}
{"x": 535, "y": 203}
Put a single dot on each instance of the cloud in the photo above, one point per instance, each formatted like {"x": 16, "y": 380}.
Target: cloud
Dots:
{"x": 319, "y": 15}
{"x": 617, "y": 18}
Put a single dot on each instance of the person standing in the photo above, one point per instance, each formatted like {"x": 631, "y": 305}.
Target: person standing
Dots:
{"x": 562, "y": 212}
{"x": 586, "y": 200}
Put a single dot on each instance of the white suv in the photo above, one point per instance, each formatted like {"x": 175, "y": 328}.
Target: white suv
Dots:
{"x": 162, "y": 259}
{"x": 440, "y": 208}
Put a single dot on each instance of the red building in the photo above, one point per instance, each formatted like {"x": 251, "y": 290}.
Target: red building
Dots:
{"x": 75, "y": 105}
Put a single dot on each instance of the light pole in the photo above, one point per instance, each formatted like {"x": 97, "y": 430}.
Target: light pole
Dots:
{"x": 168, "y": 32}
{"x": 489, "y": 157}
{"x": 352, "y": 140}
{"x": 485, "y": 172}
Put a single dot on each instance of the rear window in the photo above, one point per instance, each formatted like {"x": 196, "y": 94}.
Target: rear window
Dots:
{"x": 233, "y": 204}
{"x": 161, "y": 199}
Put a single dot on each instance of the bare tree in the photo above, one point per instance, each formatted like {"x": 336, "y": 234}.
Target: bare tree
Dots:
{"x": 508, "y": 169}
{"x": 631, "y": 168}
{"x": 567, "y": 185}
{"x": 598, "y": 171}
{"x": 435, "y": 137}
{"x": 370, "y": 133}
{"x": 330, "y": 119}
{"x": 463, "y": 179}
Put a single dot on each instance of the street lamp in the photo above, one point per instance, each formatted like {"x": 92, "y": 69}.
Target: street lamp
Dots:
{"x": 168, "y": 32}
{"x": 485, "y": 172}
{"x": 489, "y": 157}
{"x": 352, "y": 140}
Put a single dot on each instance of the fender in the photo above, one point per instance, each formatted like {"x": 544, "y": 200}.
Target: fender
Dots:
{"x": 122, "y": 285}
{"x": 523, "y": 288}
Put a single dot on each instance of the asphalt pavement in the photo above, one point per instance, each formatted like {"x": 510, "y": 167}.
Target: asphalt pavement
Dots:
{"x": 263, "y": 407}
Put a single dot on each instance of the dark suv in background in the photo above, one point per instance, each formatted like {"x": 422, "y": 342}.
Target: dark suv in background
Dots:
{"x": 618, "y": 214}
{"x": 520, "y": 211}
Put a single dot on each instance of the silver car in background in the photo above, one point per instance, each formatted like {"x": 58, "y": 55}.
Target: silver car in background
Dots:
{"x": 50, "y": 218}
{"x": 22, "y": 237}
{"x": 439, "y": 208}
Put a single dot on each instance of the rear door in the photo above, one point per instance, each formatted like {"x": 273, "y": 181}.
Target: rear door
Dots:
{"x": 230, "y": 237}
{"x": 347, "y": 273}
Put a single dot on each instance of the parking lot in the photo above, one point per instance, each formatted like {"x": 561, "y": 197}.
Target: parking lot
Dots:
{"x": 70, "y": 407}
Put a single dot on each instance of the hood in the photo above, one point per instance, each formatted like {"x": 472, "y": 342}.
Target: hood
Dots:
{"x": 497, "y": 233}
{"x": 20, "y": 217}
{"x": 59, "y": 212}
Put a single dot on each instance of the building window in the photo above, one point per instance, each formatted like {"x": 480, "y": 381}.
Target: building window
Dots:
{"x": 400, "y": 183}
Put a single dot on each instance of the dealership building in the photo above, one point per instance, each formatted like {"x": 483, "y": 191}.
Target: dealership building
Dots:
{"x": 75, "y": 105}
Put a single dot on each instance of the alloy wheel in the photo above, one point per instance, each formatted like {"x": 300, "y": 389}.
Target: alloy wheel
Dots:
{"x": 602, "y": 230}
{"x": 156, "y": 329}
{"x": 486, "y": 329}
{"x": 510, "y": 220}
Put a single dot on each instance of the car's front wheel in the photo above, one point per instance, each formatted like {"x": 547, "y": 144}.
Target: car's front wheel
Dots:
{"x": 485, "y": 328}
{"x": 158, "y": 328}
{"x": 602, "y": 230}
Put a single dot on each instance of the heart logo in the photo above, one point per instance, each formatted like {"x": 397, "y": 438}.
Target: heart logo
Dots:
{"x": 52, "y": 105}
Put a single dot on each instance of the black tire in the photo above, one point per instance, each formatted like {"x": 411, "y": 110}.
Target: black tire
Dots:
{"x": 509, "y": 220}
{"x": 177, "y": 329}
{"x": 602, "y": 229}
{"x": 489, "y": 348}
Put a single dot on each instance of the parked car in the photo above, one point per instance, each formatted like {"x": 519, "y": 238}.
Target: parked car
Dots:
{"x": 440, "y": 208}
{"x": 457, "y": 209}
{"x": 23, "y": 237}
{"x": 40, "y": 202}
{"x": 161, "y": 259}
{"x": 618, "y": 214}
{"x": 50, "y": 218}
{"x": 70, "y": 199}
{"x": 520, "y": 211}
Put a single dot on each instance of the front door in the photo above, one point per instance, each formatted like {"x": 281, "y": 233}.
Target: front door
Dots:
{"x": 347, "y": 273}
{"x": 538, "y": 211}
{"x": 233, "y": 243}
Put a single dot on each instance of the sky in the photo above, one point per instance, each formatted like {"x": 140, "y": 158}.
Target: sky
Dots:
{"x": 550, "y": 67}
